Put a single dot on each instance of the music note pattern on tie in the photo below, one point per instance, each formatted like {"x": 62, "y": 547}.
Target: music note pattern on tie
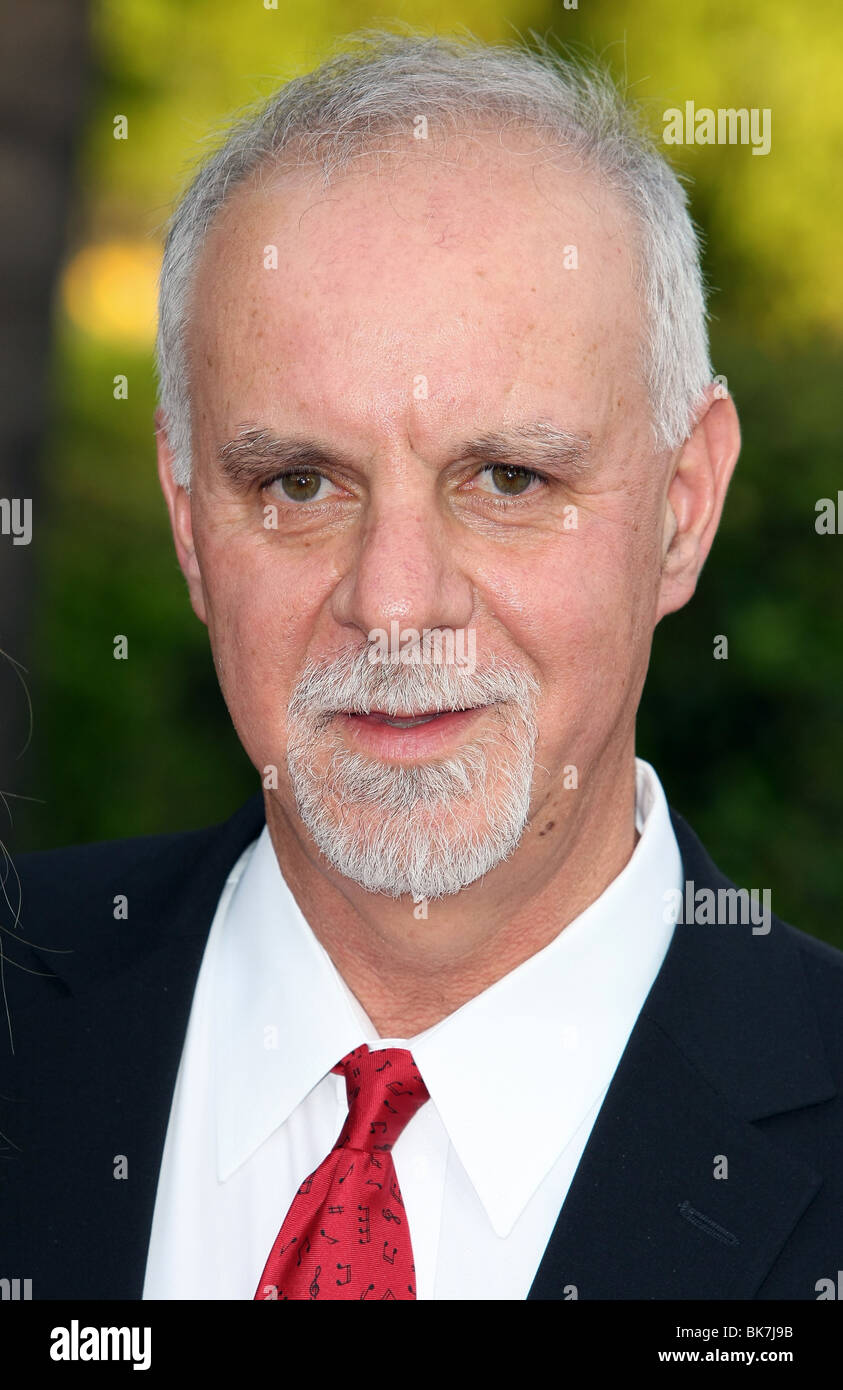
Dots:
{"x": 352, "y": 1202}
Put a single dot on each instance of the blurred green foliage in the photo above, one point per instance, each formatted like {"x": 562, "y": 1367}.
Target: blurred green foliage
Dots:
{"x": 750, "y": 748}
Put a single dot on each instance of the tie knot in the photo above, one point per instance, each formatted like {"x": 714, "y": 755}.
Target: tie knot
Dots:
{"x": 384, "y": 1091}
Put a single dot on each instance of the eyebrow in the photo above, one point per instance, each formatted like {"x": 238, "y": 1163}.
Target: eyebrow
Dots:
{"x": 255, "y": 453}
{"x": 537, "y": 445}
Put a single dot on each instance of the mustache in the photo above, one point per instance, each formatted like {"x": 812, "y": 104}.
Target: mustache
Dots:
{"x": 352, "y": 683}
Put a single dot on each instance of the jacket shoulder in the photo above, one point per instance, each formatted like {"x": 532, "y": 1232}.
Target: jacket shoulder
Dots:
{"x": 818, "y": 955}
{"x": 822, "y": 966}
{"x": 61, "y": 906}
{"x": 791, "y": 951}
{"x": 54, "y": 885}
{"x": 56, "y": 874}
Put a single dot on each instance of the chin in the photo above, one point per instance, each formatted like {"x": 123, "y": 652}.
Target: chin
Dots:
{"x": 424, "y": 831}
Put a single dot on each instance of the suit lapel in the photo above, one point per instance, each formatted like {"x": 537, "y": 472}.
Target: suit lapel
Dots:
{"x": 645, "y": 1218}
{"x": 727, "y": 1036}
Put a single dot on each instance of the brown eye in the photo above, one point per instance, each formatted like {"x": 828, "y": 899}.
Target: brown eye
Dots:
{"x": 301, "y": 487}
{"x": 511, "y": 480}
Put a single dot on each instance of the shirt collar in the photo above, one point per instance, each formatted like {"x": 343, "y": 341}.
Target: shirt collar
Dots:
{"x": 284, "y": 1017}
{"x": 546, "y": 1038}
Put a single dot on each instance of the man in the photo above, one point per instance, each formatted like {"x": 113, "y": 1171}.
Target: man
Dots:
{"x": 439, "y": 1015}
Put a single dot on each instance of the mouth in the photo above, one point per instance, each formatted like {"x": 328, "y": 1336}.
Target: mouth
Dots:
{"x": 406, "y": 721}
{"x": 409, "y": 734}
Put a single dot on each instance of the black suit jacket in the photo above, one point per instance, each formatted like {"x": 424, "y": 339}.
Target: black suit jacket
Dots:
{"x": 737, "y": 1052}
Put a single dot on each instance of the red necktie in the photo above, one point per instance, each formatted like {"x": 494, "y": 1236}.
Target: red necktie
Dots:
{"x": 346, "y": 1233}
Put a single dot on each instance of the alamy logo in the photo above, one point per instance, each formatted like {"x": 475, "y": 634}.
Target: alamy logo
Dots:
{"x": 15, "y": 1289}
{"x": 75, "y": 1343}
{"x": 16, "y": 519}
{"x": 726, "y": 907}
{"x": 725, "y": 126}
{"x": 433, "y": 646}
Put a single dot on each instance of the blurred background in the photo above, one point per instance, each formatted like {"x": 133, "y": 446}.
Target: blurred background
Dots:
{"x": 749, "y": 749}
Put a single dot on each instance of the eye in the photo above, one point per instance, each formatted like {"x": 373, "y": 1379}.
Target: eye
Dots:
{"x": 302, "y": 485}
{"x": 508, "y": 480}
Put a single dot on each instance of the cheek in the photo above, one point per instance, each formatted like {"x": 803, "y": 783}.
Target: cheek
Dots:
{"x": 261, "y": 619}
{"x": 583, "y": 614}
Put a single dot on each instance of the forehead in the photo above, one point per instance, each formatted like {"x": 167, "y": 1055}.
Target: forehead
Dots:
{"x": 497, "y": 277}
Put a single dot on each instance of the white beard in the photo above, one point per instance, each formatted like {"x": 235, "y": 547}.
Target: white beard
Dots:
{"x": 427, "y": 830}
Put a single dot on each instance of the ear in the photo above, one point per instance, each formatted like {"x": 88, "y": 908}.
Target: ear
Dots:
{"x": 181, "y": 520}
{"x": 694, "y": 499}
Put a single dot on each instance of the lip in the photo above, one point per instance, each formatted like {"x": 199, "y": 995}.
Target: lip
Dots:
{"x": 372, "y": 734}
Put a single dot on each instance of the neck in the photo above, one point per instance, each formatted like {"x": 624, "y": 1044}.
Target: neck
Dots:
{"x": 408, "y": 971}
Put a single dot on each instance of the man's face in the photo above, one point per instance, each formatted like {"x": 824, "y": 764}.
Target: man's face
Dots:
{"x": 411, "y": 312}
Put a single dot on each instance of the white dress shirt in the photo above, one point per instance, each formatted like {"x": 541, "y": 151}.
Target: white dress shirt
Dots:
{"x": 516, "y": 1078}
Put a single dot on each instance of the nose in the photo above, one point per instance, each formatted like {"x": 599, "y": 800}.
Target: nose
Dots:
{"x": 405, "y": 563}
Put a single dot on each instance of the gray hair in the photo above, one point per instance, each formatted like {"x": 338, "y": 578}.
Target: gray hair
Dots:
{"x": 366, "y": 99}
